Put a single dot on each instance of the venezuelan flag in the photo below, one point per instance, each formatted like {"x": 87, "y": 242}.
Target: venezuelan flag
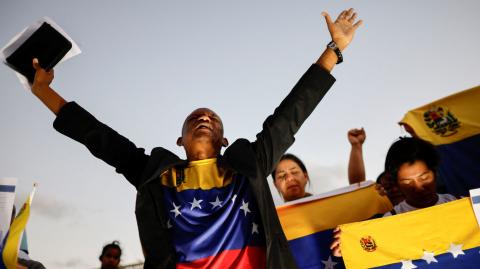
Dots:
{"x": 213, "y": 217}
{"x": 12, "y": 242}
{"x": 452, "y": 124}
{"x": 308, "y": 223}
{"x": 443, "y": 236}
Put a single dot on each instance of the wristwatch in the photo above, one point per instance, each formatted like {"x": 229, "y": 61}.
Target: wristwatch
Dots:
{"x": 332, "y": 45}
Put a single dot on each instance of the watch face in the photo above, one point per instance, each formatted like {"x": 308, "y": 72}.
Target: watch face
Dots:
{"x": 332, "y": 45}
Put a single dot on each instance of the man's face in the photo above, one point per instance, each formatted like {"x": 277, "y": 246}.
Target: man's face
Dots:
{"x": 417, "y": 182}
{"x": 290, "y": 180}
{"x": 202, "y": 126}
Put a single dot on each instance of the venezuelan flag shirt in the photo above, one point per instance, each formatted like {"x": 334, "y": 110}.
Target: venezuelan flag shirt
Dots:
{"x": 213, "y": 217}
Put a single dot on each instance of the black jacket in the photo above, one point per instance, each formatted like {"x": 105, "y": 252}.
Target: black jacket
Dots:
{"x": 253, "y": 159}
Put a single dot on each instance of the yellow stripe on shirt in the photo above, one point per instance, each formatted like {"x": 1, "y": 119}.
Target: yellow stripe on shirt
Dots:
{"x": 202, "y": 174}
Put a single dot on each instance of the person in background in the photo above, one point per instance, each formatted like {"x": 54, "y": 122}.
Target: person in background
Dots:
{"x": 290, "y": 176}
{"x": 356, "y": 166}
{"x": 411, "y": 166}
{"x": 110, "y": 257}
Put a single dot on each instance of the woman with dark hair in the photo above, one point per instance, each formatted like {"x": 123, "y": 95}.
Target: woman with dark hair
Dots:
{"x": 411, "y": 166}
{"x": 290, "y": 177}
{"x": 110, "y": 257}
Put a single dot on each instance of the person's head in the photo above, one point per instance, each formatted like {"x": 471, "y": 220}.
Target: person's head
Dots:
{"x": 290, "y": 177}
{"x": 411, "y": 164}
{"x": 110, "y": 257}
{"x": 392, "y": 191}
{"x": 202, "y": 135}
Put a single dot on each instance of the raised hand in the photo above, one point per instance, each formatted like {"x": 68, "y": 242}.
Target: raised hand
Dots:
{"x": 41, "y": 88}
{"x": 344, "y": 27}
{"x": 356, "y": 136}
{"x": 42, "y": 78}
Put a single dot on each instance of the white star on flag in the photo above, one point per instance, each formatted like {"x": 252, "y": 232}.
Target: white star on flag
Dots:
{"x": 456, "y": 250}
{"x": 329, "y": 264}
{"x": 233, "y": 198}
{"x": 196, "y": 203}
{"x": 216, "y": 203}
{"x": 244, "y": 207}
{"x": 408, "y": 265}
{"x": 254, "y": 228}
{"x": 429, "y": 257}
{"x": 176, "y": 209}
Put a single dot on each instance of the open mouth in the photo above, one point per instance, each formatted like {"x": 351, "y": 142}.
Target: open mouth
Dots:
{"x": 203, "y": 126}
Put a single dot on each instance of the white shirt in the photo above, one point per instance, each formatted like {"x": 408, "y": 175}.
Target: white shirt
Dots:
{"x": 405, "y": 207}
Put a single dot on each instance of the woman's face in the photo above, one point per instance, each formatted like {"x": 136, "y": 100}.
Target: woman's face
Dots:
{"x": 290, "y": 180}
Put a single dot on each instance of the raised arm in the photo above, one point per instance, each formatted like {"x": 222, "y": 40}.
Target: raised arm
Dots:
{"x": 356, "y": 167}
{"x": 280, "y": 127}
{"x": 102, "y": 141}
{"x": 342, "y": 31}
{"x": 41, "y": 88}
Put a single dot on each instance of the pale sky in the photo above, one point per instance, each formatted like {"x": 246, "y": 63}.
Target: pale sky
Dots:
{"x": 146, "y": 64}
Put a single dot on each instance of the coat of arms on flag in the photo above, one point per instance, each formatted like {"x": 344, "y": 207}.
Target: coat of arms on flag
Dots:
{"x": 452, "y": 124}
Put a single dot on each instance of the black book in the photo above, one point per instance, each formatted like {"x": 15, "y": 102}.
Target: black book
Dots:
{"x": 46, "y": 44}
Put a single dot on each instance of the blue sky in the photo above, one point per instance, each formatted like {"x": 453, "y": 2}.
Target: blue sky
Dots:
{"x": 146, "y": 65}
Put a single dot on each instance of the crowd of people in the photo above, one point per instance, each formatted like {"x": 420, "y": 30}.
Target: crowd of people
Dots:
{"x": 239, "y": 174}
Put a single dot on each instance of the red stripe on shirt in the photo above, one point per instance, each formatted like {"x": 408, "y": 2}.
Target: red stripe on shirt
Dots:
{"x": 247, "y": 258}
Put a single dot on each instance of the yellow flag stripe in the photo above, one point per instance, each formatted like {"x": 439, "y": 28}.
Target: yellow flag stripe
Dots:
{"x": 300, "y": 220}
{"x": 406, "y": 236}
{"x": 463, "y": 106}
{"x": 10, "y": 251}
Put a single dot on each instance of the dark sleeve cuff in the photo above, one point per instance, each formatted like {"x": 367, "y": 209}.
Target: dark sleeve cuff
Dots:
{"x": 319, "y": 75}
{"x": 75, "y": 122}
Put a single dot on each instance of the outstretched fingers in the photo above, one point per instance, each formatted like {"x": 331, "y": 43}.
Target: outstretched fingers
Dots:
{"x": 352, "y": 18}
{"x": 357, "y": 24}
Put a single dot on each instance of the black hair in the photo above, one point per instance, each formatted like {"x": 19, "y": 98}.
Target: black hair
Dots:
{"x": 115, "y": 245}
{"x": 379, "y": 177}
{"x": 409, "y": 150}
{"x": 289, "y": 156}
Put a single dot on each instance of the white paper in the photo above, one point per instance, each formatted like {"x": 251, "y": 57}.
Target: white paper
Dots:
{"x": 475, "y": 200}
{"x": 7, "y": 197}
{"x": 20, "y": 38}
